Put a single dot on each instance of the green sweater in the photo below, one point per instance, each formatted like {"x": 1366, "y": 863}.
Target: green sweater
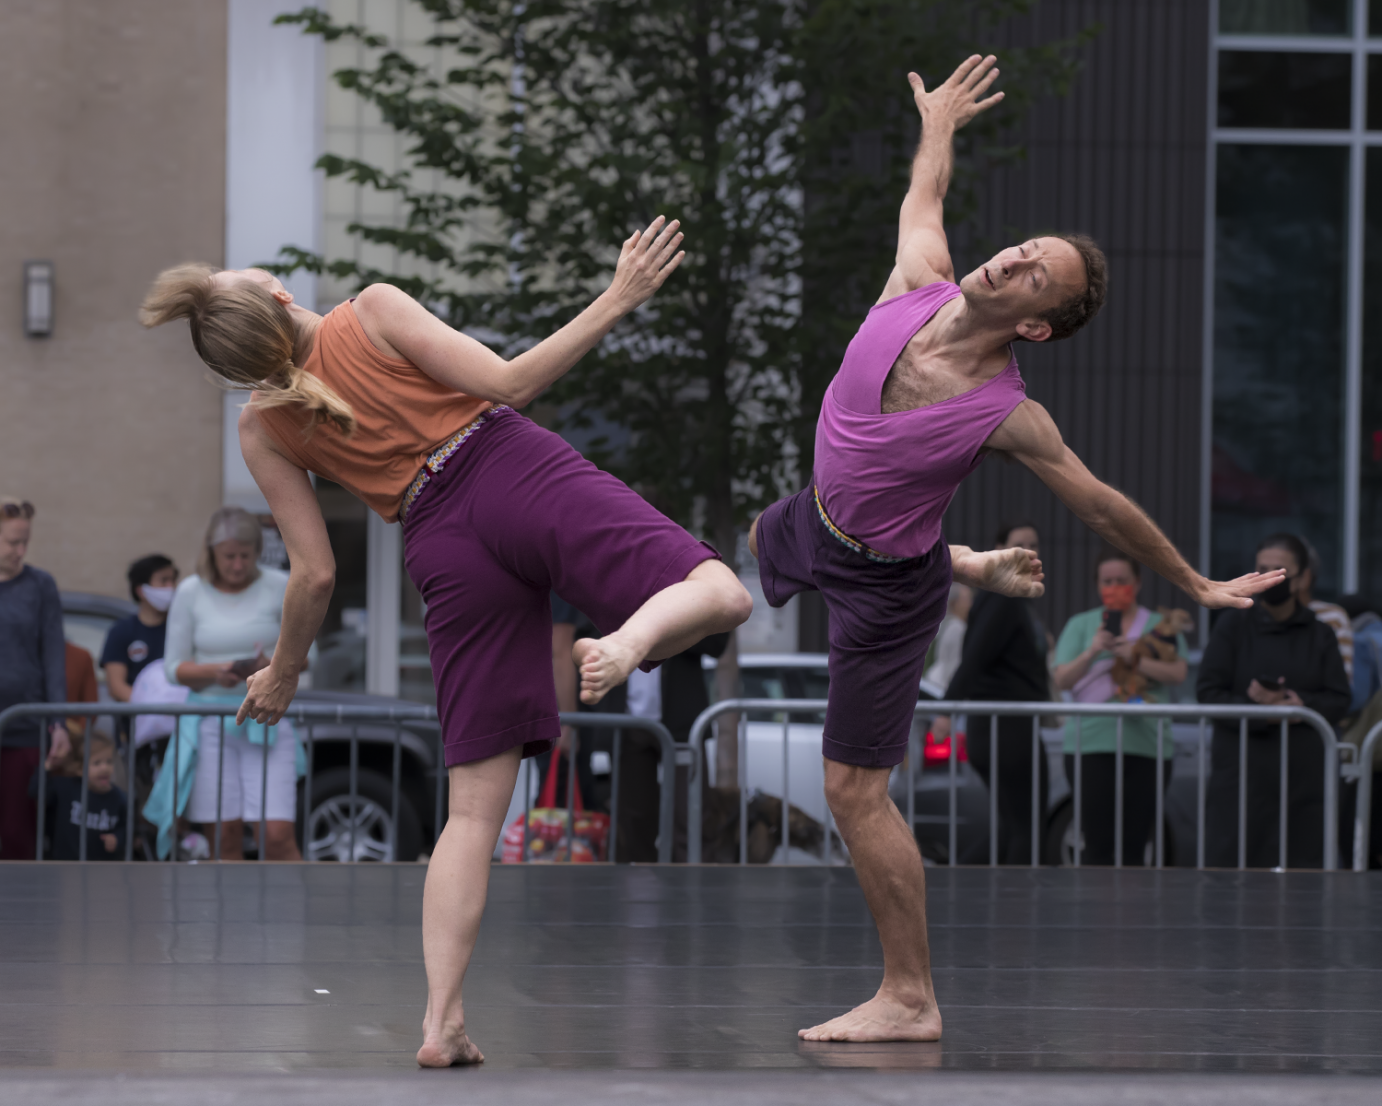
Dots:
{"x": 1099, "y": 735}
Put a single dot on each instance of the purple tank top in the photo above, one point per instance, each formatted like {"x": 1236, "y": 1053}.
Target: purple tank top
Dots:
{"x": 886, "y": 480}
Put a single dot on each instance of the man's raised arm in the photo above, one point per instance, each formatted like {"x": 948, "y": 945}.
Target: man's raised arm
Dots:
{"x": 923, "y": 255}
{"x": 1030, "y": 435}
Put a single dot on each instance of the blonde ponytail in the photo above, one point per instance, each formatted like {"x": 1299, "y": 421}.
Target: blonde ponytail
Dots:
{"x": 246, "y": 337}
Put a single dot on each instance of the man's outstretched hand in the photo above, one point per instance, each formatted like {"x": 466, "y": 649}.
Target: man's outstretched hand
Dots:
{"x": 958, "y": 100}
{"x": 1007, "y": 571}
{"x": 1236, "y": 593}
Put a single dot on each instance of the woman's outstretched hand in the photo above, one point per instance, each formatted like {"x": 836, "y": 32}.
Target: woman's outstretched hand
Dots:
{"x": 647, "y": 258}
{"x": 268, "y": 693}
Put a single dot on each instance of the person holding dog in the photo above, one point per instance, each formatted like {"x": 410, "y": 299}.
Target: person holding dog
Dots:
{"x": 1119, "y": 652}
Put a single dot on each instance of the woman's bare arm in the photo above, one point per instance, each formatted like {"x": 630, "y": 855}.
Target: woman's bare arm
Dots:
{"x": 401, "y": 327}
{"x": 311, "y": 576}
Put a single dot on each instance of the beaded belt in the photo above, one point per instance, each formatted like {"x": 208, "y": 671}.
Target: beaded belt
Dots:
{"x": 436, "y": 461}
{"x": 845, "y": 539}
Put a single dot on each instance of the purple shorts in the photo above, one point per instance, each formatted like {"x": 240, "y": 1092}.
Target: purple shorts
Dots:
{"x": 883, "y": 617}
{"x": 514, "y": 515}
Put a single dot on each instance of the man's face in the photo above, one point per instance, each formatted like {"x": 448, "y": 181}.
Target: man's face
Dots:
{"x": 1023, "y": 282}
{"x": 14, "y": 545}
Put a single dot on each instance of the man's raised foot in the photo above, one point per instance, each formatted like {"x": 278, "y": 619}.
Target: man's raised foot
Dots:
{"x": 880, "y": 1019}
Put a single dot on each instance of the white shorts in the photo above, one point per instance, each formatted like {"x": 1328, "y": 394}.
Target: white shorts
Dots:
{"x": 243, "y": 778}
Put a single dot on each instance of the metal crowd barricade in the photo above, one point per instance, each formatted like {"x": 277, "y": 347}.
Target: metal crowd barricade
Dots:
{"x": 1163, "y": 712}
{"x": 306, "y": 717}
{"x": 1362, "y": 816}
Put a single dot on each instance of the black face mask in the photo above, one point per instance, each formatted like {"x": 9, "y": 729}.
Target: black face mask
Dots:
{"x": 1277, "y": 594}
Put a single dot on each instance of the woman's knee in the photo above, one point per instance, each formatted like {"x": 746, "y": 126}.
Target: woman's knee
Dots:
{"x": 732, "y": 600}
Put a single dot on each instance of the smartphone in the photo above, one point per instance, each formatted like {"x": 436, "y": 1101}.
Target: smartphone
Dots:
{"x": 1113, "y": 622}
{"x": 245, "y": 667}
{"x": 1271, "y": 683}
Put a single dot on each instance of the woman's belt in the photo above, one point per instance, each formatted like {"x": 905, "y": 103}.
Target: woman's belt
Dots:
{"x": 845, "y": 539}
{"x": 437, "y": 459}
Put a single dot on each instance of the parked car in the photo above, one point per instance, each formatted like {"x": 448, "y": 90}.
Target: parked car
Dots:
{"x": 806, "y": 676}
{"x": 335, "y": 828}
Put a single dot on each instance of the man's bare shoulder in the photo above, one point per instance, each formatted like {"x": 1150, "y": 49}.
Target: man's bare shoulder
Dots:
{"x": 1028, "y": 430}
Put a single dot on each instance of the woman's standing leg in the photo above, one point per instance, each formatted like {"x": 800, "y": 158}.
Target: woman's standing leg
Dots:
{"x": 1139, "y": 808}
{"x": 453, "y": 900}
{"x": 278, "y": 787}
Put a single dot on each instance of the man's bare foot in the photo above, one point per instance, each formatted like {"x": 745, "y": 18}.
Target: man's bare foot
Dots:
{"x": 879, "y": 1019}
{"x": 605, "y": 663}
{"x": 447, "y": 1050}
{"x": 1014, "y": 571}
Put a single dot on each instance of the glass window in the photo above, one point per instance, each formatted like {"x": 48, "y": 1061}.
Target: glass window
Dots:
{"x": 1375, "y": 18}
{"x": 1283, "y": 89}
{"x": 1374, "y": 92}
{"x": 1280, "y": 243}
{"x": 1370, "y": 476}
{"x": 1287, "y": 17}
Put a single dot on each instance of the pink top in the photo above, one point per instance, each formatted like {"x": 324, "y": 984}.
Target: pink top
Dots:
{"x": 886, "y": 480}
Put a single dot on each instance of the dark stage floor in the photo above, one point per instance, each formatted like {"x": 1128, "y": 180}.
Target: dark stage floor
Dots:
{"x": 246, "y": 970}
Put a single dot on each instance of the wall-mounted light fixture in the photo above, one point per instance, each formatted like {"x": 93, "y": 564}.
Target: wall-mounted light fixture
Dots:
{"x": 38, "y": 298}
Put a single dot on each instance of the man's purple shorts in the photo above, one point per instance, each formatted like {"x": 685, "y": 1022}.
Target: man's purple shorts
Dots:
{"x": 883, "y": 617}
{"x": 514, "y": 515}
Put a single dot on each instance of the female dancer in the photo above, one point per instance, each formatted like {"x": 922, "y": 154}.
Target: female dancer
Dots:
{"x": 417, "y": 420}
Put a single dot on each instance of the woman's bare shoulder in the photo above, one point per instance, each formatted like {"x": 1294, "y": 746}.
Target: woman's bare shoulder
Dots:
{"x": 381, "y": 308}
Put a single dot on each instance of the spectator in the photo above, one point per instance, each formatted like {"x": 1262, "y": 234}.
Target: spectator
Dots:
{"x": 950, "y": 638}
{"x": 1004, "y": 660}
{"x": 33, "y": 669}
{"x": 222, "y": 627}
{"x": 1366, "y": 711}
{"x": 137, "y": 640}
{"x": 1275, "y": 653}
{"x": 105, "y": 807}
{"x": 81, "y": 685}
{"x": 1331, "y": 614}
{"x": 674, "y": 694}
{"x": 1087, "y": 657}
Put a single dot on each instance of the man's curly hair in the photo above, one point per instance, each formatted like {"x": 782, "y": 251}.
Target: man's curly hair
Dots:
{"x": 1068, "y": 317}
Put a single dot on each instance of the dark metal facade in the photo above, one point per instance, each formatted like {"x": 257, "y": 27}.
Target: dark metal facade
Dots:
{"x": 1121, "y": 158}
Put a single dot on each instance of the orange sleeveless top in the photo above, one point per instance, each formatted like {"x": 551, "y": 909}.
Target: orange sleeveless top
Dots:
{"x": 402, "y": 415}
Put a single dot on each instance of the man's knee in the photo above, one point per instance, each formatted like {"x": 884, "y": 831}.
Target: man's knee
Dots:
{"x": 852, "y": 790}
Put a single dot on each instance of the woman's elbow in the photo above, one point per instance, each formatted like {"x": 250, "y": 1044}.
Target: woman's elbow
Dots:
{"x": 320, "y": 582}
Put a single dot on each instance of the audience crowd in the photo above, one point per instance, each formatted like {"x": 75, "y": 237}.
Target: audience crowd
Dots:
{"x": 199, "y": 637}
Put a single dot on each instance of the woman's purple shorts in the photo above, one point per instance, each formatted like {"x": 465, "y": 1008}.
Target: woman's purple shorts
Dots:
{"x": 514, "y": 515}
{"x": 883, "y": 617}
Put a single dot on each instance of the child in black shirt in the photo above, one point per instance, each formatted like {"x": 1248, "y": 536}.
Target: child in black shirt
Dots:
{"x": 105, "y": 808}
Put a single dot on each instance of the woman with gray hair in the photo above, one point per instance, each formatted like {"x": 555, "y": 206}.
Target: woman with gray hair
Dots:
{"x": 222, "y": 627}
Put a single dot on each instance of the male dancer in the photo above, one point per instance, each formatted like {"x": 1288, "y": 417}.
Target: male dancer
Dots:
{"x": 928, "y": 386}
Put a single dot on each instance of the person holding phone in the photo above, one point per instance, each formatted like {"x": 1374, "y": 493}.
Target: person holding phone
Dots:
{"x": 222, "y": 628}
{"x": 1087, "y": 656}
{"x": 1277, "y": 653}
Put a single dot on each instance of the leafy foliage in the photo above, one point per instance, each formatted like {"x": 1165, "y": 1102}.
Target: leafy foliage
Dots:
{"x": 779, "y": 131}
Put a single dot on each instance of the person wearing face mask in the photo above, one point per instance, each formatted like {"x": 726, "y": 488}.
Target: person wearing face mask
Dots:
{"x": 1090, "y": 645}
{"x": 1277, "y": 653}
{"x": 135, "y": 642}
{"x": 1004, "y": 660}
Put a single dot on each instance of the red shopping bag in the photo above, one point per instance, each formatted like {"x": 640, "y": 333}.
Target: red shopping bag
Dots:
{"x": 547, "y": 822}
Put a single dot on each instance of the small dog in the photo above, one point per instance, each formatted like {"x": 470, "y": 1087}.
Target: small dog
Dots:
{"x": 1158, "y": 644}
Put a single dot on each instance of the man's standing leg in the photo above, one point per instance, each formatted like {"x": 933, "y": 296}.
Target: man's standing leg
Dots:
{"x": 890, "y": 872}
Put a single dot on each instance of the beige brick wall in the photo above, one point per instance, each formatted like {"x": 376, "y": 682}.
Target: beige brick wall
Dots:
{"x": 112, "y": 119}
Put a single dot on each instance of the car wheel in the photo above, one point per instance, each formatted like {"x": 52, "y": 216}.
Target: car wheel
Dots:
{"x": 363, "y": 828}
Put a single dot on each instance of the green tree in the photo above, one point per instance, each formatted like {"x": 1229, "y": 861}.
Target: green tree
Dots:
{"x": 779, "y": 131}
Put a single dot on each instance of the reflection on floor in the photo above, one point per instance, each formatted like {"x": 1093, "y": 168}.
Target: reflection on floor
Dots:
{"x": 245, "y": 969}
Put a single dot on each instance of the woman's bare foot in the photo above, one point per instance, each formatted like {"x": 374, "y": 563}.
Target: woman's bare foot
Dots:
{"x": 605, "y": 663}
{"x": 447, "y": 1050}
{"x": 1014, "y": 571}
{"x": 879, "y": 1019}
